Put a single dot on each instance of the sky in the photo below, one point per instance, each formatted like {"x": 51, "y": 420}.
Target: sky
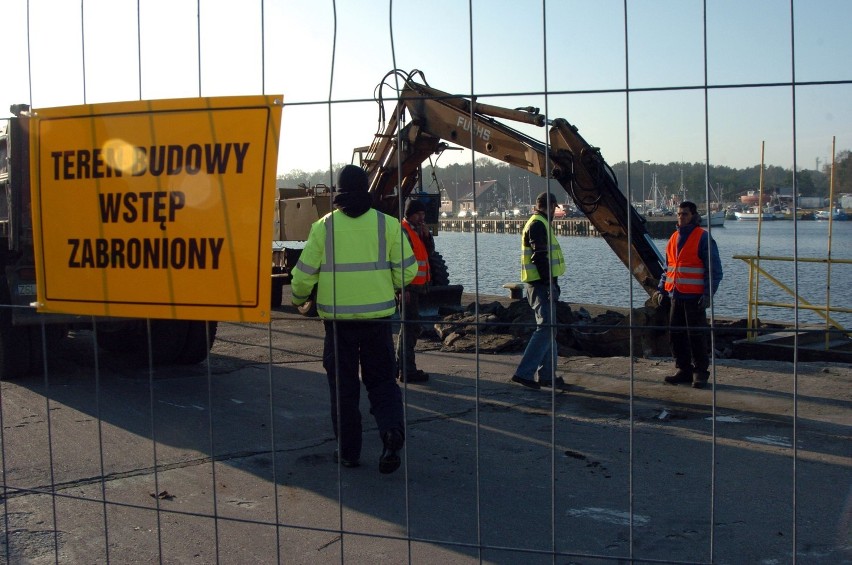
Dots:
{"x": 645, "y": 80}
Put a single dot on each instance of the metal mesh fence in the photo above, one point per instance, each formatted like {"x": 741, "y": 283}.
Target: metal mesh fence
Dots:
{"x": 110, "y": 457}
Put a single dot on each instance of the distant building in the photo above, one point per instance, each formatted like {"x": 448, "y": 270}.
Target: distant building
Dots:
{"x": 485, "y": 194}
{"x": 784, "y": 196}
{"x": 446, "y": 206}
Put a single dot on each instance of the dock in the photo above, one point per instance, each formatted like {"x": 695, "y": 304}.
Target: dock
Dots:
{"x": 658, "y": 228}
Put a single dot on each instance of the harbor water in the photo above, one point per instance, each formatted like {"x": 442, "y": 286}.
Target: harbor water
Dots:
{"x": 483, "y": 262}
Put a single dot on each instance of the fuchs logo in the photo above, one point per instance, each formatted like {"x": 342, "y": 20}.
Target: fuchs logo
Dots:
{"x": 481, "y": 132}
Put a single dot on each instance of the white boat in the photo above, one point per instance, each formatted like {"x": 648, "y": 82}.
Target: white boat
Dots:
{"x": 754, "y": 214}
{"x": 837, "y": 214}
{"x": 716, "y": 219}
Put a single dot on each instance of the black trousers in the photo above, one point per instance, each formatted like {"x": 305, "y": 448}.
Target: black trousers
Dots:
{"x": 409, "y": 331}
{"x": 688, "y": 330}
{"x": 365, "y": 346}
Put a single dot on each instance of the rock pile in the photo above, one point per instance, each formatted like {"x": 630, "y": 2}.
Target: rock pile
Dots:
{"x": 507, "y": 328}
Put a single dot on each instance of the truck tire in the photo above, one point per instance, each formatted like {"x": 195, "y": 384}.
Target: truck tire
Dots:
{"x": 14, "y": 349}
{"x": 438, "y": 270}
{"x": 168, "y": 338}
{"x": 118, "y": 338}
{"x": 130, "y": 340}
{"x": 42, "y": 345}
{"x": 199, "y": 340}
{"x": 14, "y": 341}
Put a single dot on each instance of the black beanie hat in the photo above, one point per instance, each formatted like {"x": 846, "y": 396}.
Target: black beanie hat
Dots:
{"x": 544, "y": 199}
{"x": 413, "y": 206}
{"x": 352, "y": 179}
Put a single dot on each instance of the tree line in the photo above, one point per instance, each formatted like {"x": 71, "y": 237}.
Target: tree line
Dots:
{"x": 520, "y": 187}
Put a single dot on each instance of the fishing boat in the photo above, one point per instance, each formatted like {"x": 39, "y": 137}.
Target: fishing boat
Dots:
{"x": 715, "y": 219}
{"x": 759, "y": 211}
{"x": 717, "y": 214}
{"x": 837, "y": 214}
{"x": 754, "y": 214}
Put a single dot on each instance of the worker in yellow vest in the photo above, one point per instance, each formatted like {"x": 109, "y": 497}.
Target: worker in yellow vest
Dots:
{"x": 542, "y": 263}
{"x": 423, "y": 244}
{"x": 358, "y": 259}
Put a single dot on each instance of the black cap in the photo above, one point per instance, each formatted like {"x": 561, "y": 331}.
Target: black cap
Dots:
{"x": 544, "y": 199}
{"x": 413, "y": 206}
{"x": 352, "y": 179}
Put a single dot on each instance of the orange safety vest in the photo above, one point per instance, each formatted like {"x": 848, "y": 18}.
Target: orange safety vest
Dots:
{"x": 420, "y": 254}
{"x": 685, "y": 271}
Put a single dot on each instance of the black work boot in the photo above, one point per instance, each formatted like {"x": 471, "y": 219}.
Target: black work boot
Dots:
{"x": 414, "y": 376}
{"x": 700, "y": 378}
{"x": 681, "y": 377}
{"x": 393, "y": 441}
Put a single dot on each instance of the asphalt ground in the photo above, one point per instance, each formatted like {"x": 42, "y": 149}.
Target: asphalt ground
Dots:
{"x": 230, "y": 461}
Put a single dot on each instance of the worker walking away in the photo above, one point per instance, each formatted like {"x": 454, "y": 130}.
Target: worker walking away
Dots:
{"x": 358, "y": 259}
{"x": 542, "y": 263}
{"x": 693, "y": 273}
{"x": 423, "y": 244}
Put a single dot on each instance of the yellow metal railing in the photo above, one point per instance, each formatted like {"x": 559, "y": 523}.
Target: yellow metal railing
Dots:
{"x": 755, "y": 271}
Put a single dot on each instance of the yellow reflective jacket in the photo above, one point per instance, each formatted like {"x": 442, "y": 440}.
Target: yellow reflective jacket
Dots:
{"x": 529, "y": 272}
{"x": 357, "y": 263}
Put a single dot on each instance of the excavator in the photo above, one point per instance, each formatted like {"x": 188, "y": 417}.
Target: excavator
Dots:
{"x": 426, "y": 121}
{"x": 393, "y": 162}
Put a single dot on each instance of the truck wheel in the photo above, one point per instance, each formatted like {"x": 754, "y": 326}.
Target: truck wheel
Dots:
{"x": 14, "y": 341}
{"x": 168, "y": 338}
{"x": 14, "y": 349}
{"x": 438, "y": 270}
{"x": 199, "y": 340}
{"x": 41, "y": 345}
{"x": 130, "y": 340}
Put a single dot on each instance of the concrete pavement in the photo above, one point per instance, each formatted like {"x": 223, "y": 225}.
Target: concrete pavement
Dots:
{"x": 236, "y": 455}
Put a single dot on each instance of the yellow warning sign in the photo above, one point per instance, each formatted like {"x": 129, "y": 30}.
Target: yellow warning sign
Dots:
{"x": 156, "y": 209}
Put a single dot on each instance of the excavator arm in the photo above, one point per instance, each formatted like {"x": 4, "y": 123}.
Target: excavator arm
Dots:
{"x": 434, "y": 118}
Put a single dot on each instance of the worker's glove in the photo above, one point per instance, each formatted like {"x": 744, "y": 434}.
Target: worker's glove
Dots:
{"x": 703, "y": 302}
{"x": 659, "y": 299}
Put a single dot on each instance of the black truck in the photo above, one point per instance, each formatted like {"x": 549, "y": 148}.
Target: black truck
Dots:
{"x": 27, "y": 335}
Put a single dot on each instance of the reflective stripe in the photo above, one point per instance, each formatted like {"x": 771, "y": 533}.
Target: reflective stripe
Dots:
{"x": 359, "y": 309}
{"x": 355, "y": 267}
{"x": 329, "y": 263}
{"x": 405, "y": 263}
{"x": 683, "y": 281}
{"x": 307, "y": 269}
{"x": 696, "y": 270}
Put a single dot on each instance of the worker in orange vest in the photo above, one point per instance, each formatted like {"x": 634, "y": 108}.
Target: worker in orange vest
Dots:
{"x": 415, "y": 228}
{"x": 693, "y": 273}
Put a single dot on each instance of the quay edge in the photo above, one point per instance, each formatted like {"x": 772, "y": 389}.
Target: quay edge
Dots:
{"x": 658, "y": 228}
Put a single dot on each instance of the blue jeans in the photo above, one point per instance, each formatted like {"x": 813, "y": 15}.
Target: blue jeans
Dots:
{"x": 538, "y": 356}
